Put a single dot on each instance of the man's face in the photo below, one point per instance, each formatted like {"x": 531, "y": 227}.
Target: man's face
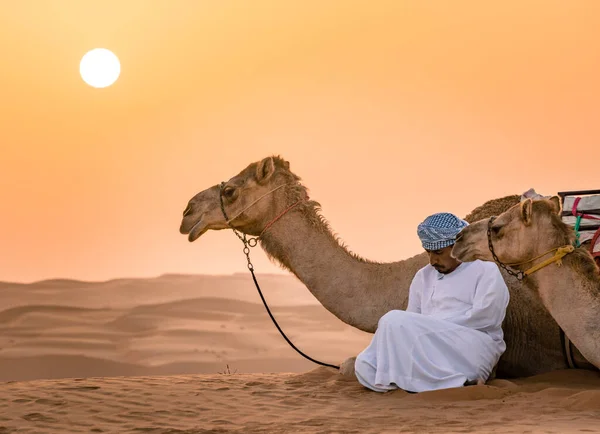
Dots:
{"x": 442, "y": 261}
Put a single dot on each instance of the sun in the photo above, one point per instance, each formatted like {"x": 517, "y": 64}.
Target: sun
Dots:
{"x": 99, "y": 67}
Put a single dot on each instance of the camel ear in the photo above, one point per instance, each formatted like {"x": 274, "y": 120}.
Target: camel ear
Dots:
{"x": 556, "y": 204}
{"x": 265, "y": 169}
{"x": 526, "y": 211}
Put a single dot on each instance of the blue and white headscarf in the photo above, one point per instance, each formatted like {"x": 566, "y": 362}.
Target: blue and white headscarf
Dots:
{"x": 440, "y": 230}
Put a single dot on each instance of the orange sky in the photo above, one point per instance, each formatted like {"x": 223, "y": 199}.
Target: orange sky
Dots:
{"x": 388, "y": 110}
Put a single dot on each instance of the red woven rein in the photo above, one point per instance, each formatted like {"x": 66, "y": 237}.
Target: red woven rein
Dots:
{"x": 284, "y": 212}
{"x": 576, "y": 213}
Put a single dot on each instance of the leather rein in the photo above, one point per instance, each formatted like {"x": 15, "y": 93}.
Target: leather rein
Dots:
{"x": 252, "y": 242}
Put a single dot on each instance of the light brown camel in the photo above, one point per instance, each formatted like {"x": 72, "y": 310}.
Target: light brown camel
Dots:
{"x": 532, "y": 236}
{"x": 267, "y": 199}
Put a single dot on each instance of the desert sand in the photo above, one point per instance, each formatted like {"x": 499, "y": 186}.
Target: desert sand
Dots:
{"x": 192, "y": 354}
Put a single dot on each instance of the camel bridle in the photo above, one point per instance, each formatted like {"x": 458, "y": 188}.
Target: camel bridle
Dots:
{"x": 559, "y": 253}
{"x": 520, "y": 275}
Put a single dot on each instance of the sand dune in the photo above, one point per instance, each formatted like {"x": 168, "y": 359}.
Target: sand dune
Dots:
{"x": 196, "y": 354}
{"x": 168, "y": 325}
{"x": 122, "y": 293}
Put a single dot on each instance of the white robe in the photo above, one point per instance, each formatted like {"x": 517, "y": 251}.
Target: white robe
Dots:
{"x": 451, "y": 332}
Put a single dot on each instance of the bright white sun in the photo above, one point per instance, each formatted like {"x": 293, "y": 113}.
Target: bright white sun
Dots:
{"x": 99, "y": 67}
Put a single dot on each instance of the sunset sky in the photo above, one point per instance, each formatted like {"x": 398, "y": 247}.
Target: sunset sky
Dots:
{"x": 388, "y": 110}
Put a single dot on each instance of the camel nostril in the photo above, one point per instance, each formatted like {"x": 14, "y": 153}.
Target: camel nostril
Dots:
{"x": 187, "y": 210}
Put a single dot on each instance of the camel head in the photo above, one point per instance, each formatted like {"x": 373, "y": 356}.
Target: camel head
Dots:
{"x": 251, "y": 199}
{"x": 524, "y": 231}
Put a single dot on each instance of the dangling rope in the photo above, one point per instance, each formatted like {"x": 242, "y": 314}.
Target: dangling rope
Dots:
{"x": 577, "y": 243}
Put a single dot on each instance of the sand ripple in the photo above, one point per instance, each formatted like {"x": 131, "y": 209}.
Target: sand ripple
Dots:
{"x": 317, "y": 401}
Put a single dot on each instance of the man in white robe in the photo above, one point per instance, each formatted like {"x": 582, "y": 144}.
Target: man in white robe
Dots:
{"x": 451, "y": 332}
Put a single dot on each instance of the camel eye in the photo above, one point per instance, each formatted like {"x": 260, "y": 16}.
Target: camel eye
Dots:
{"x": 228, "y": 192}
{"x": 496, "y": 229}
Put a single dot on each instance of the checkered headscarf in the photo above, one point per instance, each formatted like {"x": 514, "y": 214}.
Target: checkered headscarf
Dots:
{"x": 440, "y": 230}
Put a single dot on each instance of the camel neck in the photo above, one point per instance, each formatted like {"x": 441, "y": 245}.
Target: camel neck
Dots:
{"x": 573, "y": 300}
{"x": 351, "y": 288}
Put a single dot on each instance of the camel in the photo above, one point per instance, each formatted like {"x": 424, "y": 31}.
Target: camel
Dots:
{"x": 532, "y": 237}
{"x": 266, "y": 200}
